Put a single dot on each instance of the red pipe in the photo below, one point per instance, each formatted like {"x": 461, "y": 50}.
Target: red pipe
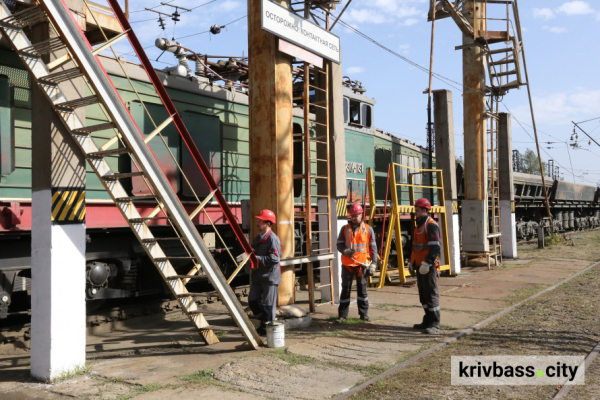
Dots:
{"x": 185, "y": 135}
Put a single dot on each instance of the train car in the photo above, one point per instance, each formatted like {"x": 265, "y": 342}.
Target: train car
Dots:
{"x": 222, "y": 112}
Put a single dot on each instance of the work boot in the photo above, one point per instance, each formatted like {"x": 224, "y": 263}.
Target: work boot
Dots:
{"x": 262, "y": 329}
{"x": 339, "y": 320}
{"x": 432, "y": 330}
{"x": 422, "y": 325}
{"x": 365, "y": 318}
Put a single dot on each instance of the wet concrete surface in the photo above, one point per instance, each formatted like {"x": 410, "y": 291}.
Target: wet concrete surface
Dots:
{"x": 155, "y": 354}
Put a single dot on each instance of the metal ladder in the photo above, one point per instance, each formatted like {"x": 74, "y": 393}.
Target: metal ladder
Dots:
{"x": 316, "y": 175}
{"x": 494, "y": 234}
{"x": 169, "y": 207}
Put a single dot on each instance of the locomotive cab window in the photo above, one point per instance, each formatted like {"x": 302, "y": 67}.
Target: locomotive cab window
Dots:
{"x": 355, "y": 112}
{"x": 346, "y": 110}
{"x": 367, "y": 115}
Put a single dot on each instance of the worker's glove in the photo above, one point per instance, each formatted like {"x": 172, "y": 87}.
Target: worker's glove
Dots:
{"x": 240, "y": 258}
{"x": 372, "y": 268}
{"x": 348, "y": 253}
{"x": 411, "y": 269}
{"x": 424, "y": 268}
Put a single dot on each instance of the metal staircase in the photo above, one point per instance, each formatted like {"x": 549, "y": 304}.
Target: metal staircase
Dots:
{"x": 316, "y": 175}
{"x": 84, "y": 64}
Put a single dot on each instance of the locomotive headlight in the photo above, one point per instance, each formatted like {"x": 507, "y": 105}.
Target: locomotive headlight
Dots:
{"x": 5, "y": 299}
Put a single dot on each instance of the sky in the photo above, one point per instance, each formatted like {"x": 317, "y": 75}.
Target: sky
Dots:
{"x": 560, "y": 40}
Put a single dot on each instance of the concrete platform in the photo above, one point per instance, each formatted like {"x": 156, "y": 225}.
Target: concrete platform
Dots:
{"x": 320, "y": 361}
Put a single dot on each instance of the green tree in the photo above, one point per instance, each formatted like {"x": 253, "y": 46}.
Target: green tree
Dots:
{"x": 530, "y": 163}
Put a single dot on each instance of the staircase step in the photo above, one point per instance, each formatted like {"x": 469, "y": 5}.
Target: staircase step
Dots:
{"x": 77, "y": 103}
{"x": 503, "y": 62}
{"x": 136, "y": 198}
{"x": 512, "y": 72}
{"x": 158, "y": 239}
{"x": 106, "y": 153}
{"x": 94, "y": 128}
{"x": 190, "y": 277}
{"x": 219, "y": 328}
{"x": 43, "y": 47}
{"x": 115, "y": 177}
{"x": 145, "y": 219}
{"x": 61, "y": 76}
{"x": 25, "y": 18}
{"x": 498, "y": 51}
{"x": 175, "y": 258}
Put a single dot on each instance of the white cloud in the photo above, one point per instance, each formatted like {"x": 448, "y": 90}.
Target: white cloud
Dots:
{"x": 543, "y": 13}
{"x": 554, "y": 29}
{"x": 354, "y": 70}
{"x": 575, "y": 8}
{"x": 410, "y": 22}
{"x": 404, "y": 48}
{"x": 562, "y": 108}
{"x": 387, "y": 11}
{"x": 568, "y": 8}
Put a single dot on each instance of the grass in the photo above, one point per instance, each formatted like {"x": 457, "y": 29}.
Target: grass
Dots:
{"x": 202, "y": 377}
{"x": 553, "y": 239}
{"x": 348, "y": 321}
{"x": 151, "y": 387}
{"x": 290, "y": 358}
{"x": 78, "y": 370}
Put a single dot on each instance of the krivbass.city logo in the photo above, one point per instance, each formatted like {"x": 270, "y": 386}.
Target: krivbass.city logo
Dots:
{"x": 518, "y": 370}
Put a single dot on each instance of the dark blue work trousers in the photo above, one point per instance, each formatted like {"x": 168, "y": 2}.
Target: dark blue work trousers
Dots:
{"x": 263, "y": 300}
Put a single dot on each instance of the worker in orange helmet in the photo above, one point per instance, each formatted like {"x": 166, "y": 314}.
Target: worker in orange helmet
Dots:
{"x": 356, "y": 242}
{"x": 424, "y": 259}
{"x": 265, "y": 280}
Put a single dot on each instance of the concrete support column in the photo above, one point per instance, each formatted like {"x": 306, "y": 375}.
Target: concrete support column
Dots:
{"x": 507, "y": 194}
{"x": 58, "y": 313}
{"x": 446, "y": 161}
{"x": 475, "y": 210}
{"x": 337, "y": 171}
{"x": 271, "y": 146}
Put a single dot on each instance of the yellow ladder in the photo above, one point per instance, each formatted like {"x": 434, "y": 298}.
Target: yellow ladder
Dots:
{"x": 398, "y": 209}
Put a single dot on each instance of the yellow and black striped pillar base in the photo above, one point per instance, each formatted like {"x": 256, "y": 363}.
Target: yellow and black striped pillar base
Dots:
{"x": 68, "y": 205}
{"x": 342, "y": 207}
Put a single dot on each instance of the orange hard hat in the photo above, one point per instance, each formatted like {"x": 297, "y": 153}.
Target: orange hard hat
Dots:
{"x": 354, "y": 209}
{"x": 423, "y": 203}
{"x": 266, "y": 215}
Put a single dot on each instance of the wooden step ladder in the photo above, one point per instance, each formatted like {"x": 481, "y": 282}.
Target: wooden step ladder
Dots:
{"x": 316, "y": 175}
{"x": 168, "y": 206}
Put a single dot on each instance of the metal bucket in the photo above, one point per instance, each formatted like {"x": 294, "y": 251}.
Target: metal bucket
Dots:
{"x": 275, "y": 334}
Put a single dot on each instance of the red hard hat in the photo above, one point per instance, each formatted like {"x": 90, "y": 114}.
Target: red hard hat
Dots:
{"x": 266, "y": 215}
{"x": 355, "y": 209}
{"x": 423, "y": 203}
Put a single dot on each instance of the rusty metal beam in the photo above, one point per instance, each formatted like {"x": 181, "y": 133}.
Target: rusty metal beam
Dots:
{"x": 271, "y": 141}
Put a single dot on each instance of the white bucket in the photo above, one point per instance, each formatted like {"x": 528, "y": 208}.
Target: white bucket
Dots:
{"x": 275, "y": 335}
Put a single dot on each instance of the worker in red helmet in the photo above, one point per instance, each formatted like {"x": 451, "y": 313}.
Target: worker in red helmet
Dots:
{"x": 356, "y": 242}
{"x": 424, "y": 259}
{"x": 265, "y": 280}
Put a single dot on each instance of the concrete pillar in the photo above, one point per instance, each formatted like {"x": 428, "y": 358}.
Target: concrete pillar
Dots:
{"x": 474, "y": 207}
{"x": 337, "y": 163}
{"x": 446, "y": 161}
{"x": 507, "y": 193}
{"x": 57, "y": 241}
{"x": 271, "y": 129}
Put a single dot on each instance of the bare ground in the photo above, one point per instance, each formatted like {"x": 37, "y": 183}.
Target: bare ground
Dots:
{"x": 561, "y": 322}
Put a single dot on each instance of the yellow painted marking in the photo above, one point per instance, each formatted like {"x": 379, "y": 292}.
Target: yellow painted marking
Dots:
{"x": 67, "y": 207}
{"x": 80, "y": 201}
{"x": 64, "y": 196}
{"x": 55, "y": 196}
{"x": 82, "y": 217}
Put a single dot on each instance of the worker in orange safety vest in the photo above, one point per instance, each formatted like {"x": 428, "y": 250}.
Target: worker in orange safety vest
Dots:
{"x": 424, "y": 259}
{"x": 356, "y": 242}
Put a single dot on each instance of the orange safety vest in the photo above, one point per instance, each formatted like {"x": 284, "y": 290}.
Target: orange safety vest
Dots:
{"x": 358, "y": 242}
{"x": 420, "y": 246}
